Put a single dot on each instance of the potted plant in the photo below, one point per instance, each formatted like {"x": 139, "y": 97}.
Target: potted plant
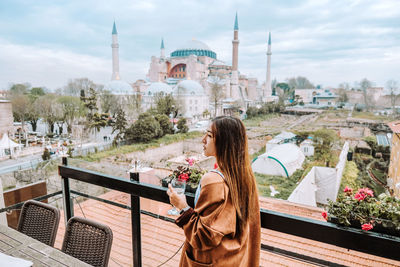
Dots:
{"x": 361, "y": 209}
{"x": 189, "y": 173}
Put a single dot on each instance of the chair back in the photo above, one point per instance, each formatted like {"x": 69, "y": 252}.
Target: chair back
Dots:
{"x": 39, "y": 221}
{"x": 88, "y": 241}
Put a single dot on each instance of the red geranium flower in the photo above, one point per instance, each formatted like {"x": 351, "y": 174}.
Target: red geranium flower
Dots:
{"x": 360, "y": 196}
{"x": 366, "y": 226}
{"x": 325, "y": 215}
{"x": 348, "y": 190}
{"x": 367, "y": 191}
{"x": 183, "y": 177}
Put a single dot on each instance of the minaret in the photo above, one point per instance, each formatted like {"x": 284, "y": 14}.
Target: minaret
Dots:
{"x": 115, "y": 56}
{"x": 162, "y": 56}
{"x": 234, "y": 93}
{"x": 268, "y": 89}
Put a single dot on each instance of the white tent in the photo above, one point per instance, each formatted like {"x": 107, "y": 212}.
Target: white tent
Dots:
{"x": 7, "y": 143}
{"x": 281, "y": 160}
{"x": 321, "y": 183}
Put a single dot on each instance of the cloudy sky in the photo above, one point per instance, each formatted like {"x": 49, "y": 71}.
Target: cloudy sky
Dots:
{"x": 46, "y": 43}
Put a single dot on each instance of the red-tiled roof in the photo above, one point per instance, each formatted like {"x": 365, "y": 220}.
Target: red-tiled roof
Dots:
{"x": 161, "y": 239}
{"x": 395, "y": 126}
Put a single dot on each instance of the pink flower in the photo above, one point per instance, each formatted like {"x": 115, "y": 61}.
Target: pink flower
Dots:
{"x": 367, "y": 191}
{"x": 215, "y": 165}
{"x": 183, "y": 177}
{"x": 360, "y": 196}
{"x": 190, "y": 161}
{"x": 348, "y": 190}
{"x": 325, "y": 215}
{"x": 366, "y": 226}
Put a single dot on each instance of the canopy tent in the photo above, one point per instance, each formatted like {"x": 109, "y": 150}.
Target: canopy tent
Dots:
{"x": 281, "y": 160}
{"x": 7, "y": 144}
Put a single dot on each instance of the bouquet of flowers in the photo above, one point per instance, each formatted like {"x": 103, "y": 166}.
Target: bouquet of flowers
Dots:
{"x": 363, "y": 209}
{"x": 188, "y": 173}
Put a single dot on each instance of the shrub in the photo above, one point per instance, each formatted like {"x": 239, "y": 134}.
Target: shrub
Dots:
{"x": 144, "y": 129}
{"x": 165, "y": 124}
{"x": 182, "y": 126}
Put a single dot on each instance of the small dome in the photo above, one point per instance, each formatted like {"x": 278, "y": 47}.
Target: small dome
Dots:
{"x": 119, "y": 87}
{"x": 189, "y": 87}
{"x": 194, "y": 44}
{"x": 194, "y": 47}
{"x": 158, "y": 87}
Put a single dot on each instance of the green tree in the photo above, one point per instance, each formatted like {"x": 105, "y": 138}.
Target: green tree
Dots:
{"x": 144, "y": 129}
{"x": 182, "y": 126}
{"x": 165, "y": 124}
{"x": 165, "y": 104}
{"x": 119, "y": 125}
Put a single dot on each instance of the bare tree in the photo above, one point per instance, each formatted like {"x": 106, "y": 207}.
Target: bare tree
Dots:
{"x": 49, "y": 110}
{"x": 393, "y": 87}
{"x": 365, "y": 84}
{"x": 299, "y": 83}
{"x": 216, "y": 91}
{"x": 344, "y": 85}
{"x": 74, "y": 87}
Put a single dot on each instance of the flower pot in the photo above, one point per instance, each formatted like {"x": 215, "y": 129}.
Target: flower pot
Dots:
{"x": 378, "y": 227}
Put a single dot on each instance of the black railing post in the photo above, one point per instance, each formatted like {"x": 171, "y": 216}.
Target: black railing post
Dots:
{"x": 68, "y": 205}
{"x": 135, "y": 221}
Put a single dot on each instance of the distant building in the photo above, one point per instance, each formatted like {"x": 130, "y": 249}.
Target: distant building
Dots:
{"x": 307, "y": 147}
{"x": 394, "y": 167}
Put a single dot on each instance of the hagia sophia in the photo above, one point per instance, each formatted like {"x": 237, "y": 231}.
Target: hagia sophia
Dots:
{"x": 189, "y": 74}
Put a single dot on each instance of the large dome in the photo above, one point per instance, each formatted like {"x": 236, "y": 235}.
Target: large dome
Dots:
{"x": 194, "y": 47}
{"x": 119, "y": 87}
{"x": 158, "y": 87}
{"x": 189, "y": 87}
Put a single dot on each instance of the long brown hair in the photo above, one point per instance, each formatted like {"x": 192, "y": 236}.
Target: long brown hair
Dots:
{"x": 234, "y": 162}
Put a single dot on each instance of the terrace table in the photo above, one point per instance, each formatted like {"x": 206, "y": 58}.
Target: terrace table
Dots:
{"x": 18, "y": 245}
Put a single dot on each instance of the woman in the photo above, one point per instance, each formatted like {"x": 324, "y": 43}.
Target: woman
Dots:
{"x": 223, "y": 229}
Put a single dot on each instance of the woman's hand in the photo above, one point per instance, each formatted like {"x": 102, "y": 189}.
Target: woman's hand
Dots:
{"x": 179, "y": 201}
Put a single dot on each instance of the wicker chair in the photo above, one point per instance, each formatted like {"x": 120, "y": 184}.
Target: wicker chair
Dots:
{"x": 39, "y": 221}
{"x": 88, "y": 241}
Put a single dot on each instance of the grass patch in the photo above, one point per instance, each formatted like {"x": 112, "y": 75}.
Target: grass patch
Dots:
{"x": 166, "y": 140}
{"x": 283, "y": 185}
{"x": 256, "y": 121}
{"x": 349, "y": 177}
{"x": 258, "y": 153}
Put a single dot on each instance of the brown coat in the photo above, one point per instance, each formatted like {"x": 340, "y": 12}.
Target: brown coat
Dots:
{"x": 210, "y": 230}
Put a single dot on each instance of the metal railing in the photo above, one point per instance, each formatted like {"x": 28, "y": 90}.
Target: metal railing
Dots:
{"x": 350, "y": 238}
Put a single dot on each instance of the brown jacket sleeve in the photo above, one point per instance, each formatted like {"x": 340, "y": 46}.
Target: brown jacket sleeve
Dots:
{"x": 213, "y": 217}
